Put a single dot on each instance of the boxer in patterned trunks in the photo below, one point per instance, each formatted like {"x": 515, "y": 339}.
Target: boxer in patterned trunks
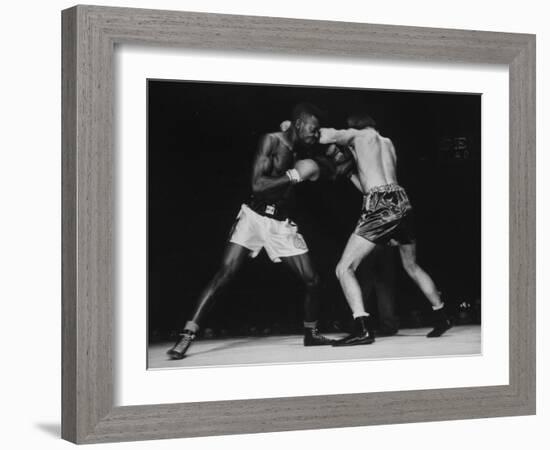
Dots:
{"x": 385, "y": 220}
{"x": 264, "y": 222}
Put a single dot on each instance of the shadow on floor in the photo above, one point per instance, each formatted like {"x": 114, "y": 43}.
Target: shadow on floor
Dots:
{"x": 53, "y": 429}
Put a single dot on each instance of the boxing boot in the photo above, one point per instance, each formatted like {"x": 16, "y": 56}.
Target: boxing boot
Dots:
{"x": 362, "y": 333}
{"x": 180, "y": 348}
{"x": 441, "y": 323}
{"x": 312, "y": 337}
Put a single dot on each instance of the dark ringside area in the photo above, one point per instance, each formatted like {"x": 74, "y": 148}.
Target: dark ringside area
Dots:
{"x": 202, "y": 138}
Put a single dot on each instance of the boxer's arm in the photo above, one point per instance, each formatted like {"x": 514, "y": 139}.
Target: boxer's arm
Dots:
{"x": 263, "y": 164}
{"x": 330, "y": 135}
{"x": 355, "y": 180}
{"x": 326, "y": 166}
{"x": 332, "y": 151}
{"x": 331, "y": 168}
{"x": 347, "y": 137}
{"x": 338, "y": 137}
{"x": 342, "y": 160}
{"x": 345, "y": 168}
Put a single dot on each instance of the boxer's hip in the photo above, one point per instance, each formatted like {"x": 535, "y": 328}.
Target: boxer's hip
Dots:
{"x": 274, "y": 209}
{"x": 256, "y": 232}
{"x": 389, "y": 197}
{"x": 386, "y": 216}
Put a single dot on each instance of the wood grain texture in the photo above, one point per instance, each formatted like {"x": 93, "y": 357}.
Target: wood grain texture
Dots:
{"x": 89, "y": 36}
{"x": 523, "y": 224}
{"x": 68, "y": 225}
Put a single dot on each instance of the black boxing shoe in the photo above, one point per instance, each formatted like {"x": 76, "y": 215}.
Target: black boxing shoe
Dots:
{"x": 312, "y": 337}
{"x": 180, "y": 348}
{"x": 441, "y": 323}
{"x": 362, "y": 334}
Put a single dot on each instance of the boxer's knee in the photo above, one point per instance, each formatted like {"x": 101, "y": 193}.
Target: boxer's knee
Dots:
{"x": 312, "y": 280}
{"x": 411, "y": 268}
{"x": 342, "y": 269}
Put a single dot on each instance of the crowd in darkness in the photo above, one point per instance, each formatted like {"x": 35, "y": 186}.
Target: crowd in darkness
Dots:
{"x": 201, "y": 142}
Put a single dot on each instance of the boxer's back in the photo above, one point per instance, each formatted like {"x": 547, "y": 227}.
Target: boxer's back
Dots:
{"x": 376, "y": 158}
{"x": 389, "y": 160}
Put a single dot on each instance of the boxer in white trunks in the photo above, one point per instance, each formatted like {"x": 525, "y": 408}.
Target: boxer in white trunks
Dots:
{"x": 264, "y": 222}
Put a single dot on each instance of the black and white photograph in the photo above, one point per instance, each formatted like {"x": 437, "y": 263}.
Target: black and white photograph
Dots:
{"x": 298, "y": 224}
{"x": 275, "y": 225}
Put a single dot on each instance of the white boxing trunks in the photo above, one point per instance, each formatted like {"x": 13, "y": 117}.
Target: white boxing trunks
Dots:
{"x": 279, "y": 238}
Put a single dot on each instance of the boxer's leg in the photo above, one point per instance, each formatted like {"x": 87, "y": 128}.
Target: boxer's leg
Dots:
{"x": 356, "y": 249}
{"x": 233, "y": 259}
{"x": 302, "y": 266}
{"x": 366, "y": 277}
{"x": 385, "y": 291}
{"x": 418, "y": 275}
{"x": 427, "y": 286}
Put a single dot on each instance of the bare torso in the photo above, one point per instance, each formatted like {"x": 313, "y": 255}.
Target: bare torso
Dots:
{"x": 282, "y": 155}
{"x": 374, "y": 154}
{"x": 375, "y": 157}
{"x": 274, "y": 157}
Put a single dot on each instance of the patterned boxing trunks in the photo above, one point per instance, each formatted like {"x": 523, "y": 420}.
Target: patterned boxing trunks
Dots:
{"x": 386, "y": 217}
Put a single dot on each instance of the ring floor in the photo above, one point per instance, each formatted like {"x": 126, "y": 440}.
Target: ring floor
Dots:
{"x": 408, "y": 343}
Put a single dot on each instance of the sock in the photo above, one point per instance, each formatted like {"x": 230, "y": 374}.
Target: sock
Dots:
{"x": 192, "y": 326}
{"x": 361, "y": 314}
{"x": 437, "y": 308}
{"x": 311, "y": 325}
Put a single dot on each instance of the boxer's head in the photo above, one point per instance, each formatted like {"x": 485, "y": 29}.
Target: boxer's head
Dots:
{"x": 306, "y": 120}
{"x": 360, "y": 120}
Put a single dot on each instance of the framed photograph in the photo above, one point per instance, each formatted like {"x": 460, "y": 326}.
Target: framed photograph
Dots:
{"x": 260, "y": 309}
{"x": 268, "y": 222}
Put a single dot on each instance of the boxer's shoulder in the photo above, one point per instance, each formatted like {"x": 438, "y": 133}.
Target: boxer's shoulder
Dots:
{"x": 387, "y": 142}
{"x": 270, "y": 140}
{"x": 275, "y": 135}
{"x": 366, "y": 137}
{"x": 369, "y": 133}
{"x": 278, "y": 138}
{"x": 390, "y": 143}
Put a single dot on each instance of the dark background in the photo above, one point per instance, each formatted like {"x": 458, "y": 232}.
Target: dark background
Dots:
{"x": 202, "y": 138}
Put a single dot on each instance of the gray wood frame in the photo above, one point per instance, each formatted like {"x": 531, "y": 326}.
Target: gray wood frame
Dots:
{"x": 89, "y": 36}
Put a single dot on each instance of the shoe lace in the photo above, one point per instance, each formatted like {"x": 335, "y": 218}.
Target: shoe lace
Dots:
{"x": 185, "y": 339}
{"x": 316, "y": 334}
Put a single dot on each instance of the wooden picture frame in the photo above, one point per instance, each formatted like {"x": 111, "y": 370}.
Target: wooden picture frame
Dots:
{"x": 89, "y": 37}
